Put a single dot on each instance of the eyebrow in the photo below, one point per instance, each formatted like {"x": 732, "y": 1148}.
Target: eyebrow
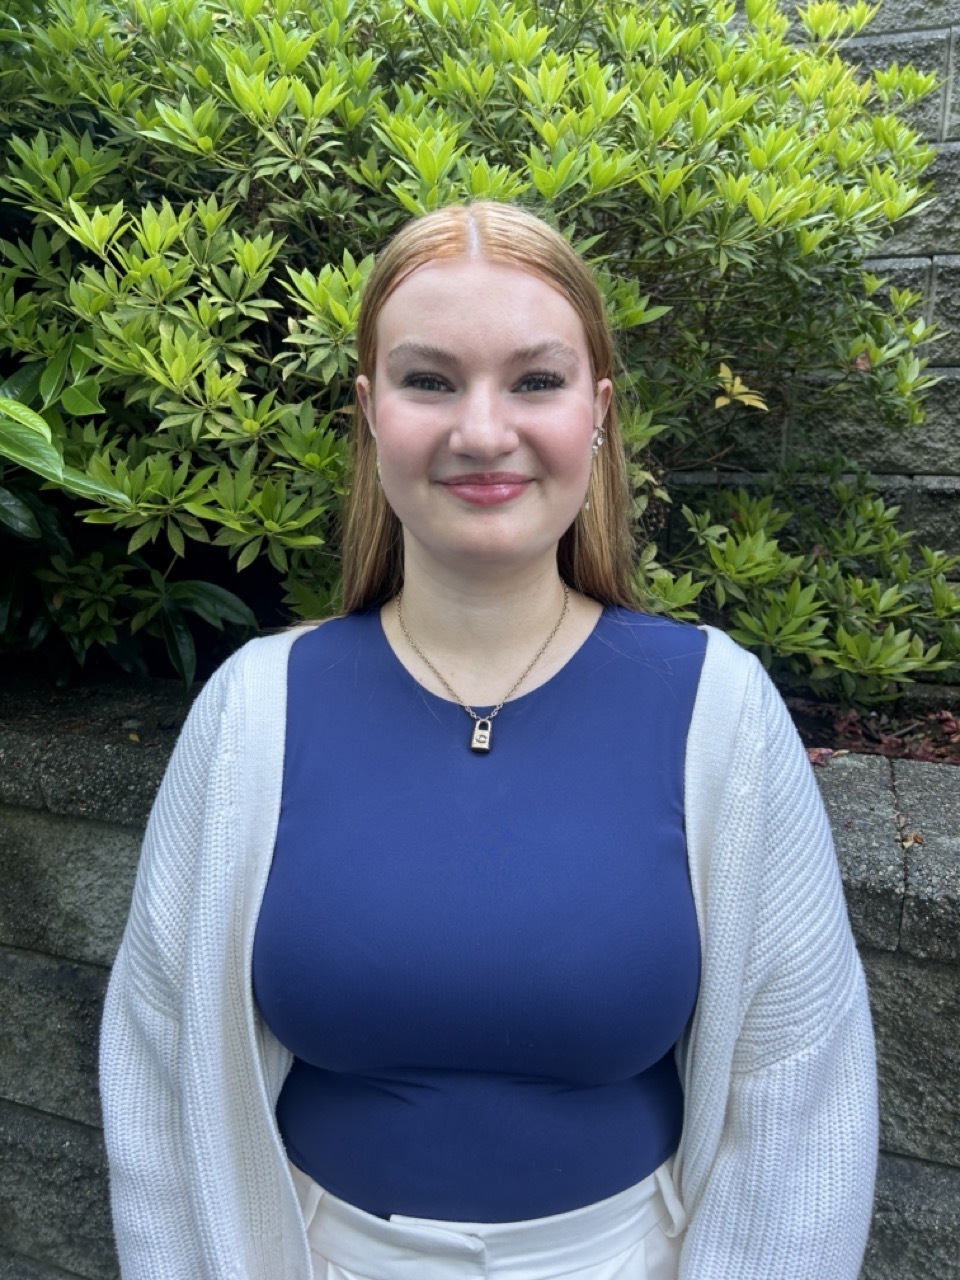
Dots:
{"x": 423, "y": 351}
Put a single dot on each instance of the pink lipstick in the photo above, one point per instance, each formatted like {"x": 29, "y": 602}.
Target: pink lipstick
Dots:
{"x": 487, "y": 488}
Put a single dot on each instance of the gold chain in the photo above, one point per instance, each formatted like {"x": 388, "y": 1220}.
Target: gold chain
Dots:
{"x": 510, "y": 692}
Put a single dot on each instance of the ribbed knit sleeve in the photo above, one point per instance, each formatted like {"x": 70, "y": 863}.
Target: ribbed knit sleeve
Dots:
{"x": 141, "y": 1034}
{"x": 200, "y": 1186}
{"x": 779, "y": 1181}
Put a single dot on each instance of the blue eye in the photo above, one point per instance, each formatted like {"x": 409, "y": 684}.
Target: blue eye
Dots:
{"x": 544, "y": 380}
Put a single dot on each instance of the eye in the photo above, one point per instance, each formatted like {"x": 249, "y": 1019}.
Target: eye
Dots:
{"x": 424, "y": 382}
{"x": 542, "y": 380}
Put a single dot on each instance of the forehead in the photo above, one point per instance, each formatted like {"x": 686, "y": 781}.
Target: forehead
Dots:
{"x": 466, "y": 301}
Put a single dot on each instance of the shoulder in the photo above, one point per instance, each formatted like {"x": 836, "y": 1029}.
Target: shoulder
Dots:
{"x": 260, "y": 662}
{"x": 650, "y": 636}
{"x": 736, "y": 710}
{"x": 732, "y": 676}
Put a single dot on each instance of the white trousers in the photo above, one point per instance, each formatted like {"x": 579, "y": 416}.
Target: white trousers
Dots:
{"x": 635, "y": 1235}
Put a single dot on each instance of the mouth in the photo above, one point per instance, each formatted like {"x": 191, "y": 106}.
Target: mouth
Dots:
{"x": 487, "y": 488}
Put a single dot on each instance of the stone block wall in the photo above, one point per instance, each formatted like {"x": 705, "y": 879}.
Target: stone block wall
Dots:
{"x": 77, "y": 777}
{"x": 897, "y": 830}
{"x": 77, "y": 774}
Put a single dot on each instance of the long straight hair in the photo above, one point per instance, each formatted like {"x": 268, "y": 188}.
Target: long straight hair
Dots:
{"x": 595, "y": 555}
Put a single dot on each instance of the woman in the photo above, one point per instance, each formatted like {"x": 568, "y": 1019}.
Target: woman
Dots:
{"x": 494, "y": 928}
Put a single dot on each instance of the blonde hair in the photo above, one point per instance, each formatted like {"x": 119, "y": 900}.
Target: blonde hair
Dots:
{"x": 595, "y": 555}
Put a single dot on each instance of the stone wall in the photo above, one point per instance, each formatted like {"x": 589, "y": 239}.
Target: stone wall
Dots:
{"x": 77, "y": 777}
{"x": 77, "y": 773}
{"x": 897, "y": 831}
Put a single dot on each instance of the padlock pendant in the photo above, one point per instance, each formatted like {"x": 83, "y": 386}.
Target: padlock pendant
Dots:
{"x": 482, "y": 733}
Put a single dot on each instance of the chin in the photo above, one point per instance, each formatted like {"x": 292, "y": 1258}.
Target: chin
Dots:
{"x": 506, "y": 552}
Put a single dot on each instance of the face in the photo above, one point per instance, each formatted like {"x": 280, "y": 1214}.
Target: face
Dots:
{"x": 484, "y": 411}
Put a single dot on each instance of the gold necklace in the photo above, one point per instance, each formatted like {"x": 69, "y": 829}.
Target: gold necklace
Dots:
{"x": 482, "y": 729}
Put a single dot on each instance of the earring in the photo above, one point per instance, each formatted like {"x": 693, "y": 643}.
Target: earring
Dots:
{"x": 594, "y": 450}
{"x": 379, "y": 477}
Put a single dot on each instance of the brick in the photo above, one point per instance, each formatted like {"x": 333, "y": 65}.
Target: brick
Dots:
{"x": 916, "y": 1015}
{"x": 925, "y": 50}
{"x": 930, "y": 449}
{"x": 54, "y": 1203}
{"x": 935, "y": 512}
{"x": 928, "y": 796}
{"x": 66, "y": 884}
{"x": 24, "y": 1269}
{"x": 51, "y": 1018}
{"x": 945, "y": 311}
{"x": 901, "y": 15}
{"x": 929, "y": 505}
{"x": 109, "y": 781}
{"x": 98, "y": 751}
{"x": 917, "y": 275}
{"x": 751, "y": 442}
{"x": 904, "y": 273}
{"x": 952, "y": 122}
{"x": 916, "y": 1224}
{"x": 20, "y": 768}
{"x": 936, "y": 228}
{"x": 859, "y": 801}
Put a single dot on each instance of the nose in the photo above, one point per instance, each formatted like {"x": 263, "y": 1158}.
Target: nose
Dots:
{"x": 483, "y": 427}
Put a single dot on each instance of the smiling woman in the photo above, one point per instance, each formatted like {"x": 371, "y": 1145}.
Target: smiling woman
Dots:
{"x": 568, "y": 994}
{"x": 484, "y": 437}
{"x": 595, "y": 546}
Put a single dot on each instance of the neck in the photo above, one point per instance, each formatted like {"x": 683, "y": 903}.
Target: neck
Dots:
{"x": 481, "y": 633}
{"x": 467, "y": 617}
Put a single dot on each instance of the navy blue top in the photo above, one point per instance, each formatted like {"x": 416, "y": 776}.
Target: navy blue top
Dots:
{"x": 482, "y": 963}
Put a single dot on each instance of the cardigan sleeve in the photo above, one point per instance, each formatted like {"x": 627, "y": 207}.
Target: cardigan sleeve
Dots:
{"x": 140, "y": 1048}
{"x": 790, "y": 1185}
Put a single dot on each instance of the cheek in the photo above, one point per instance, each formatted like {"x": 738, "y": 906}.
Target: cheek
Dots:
{"x": 406, "y": 440}
{"x": 567, "y": 444}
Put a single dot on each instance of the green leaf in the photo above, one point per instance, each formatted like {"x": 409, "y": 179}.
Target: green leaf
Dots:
{"x": 22, "y": 385}
{"x": 82, "y": 398}
{"x": 17, "y": 516}
{"x": 26, "y": 446}
{"x": 26, "y": 417}
{"x": 179, "y": 644}
{"x": 249, "y": 553}
{"x": 84, "y": 487}
{"x": 27, "y": 441}
{"x": 51, "y": 380}
{"x": 214, "y": 604}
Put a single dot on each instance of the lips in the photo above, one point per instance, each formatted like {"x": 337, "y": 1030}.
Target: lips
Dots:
{"x": 487, "y": 488}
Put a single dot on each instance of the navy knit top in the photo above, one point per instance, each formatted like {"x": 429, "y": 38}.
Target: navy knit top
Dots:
{"x": 482, "y": 963}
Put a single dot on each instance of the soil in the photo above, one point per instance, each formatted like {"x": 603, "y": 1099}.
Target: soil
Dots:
{"x": 826, "y": 729}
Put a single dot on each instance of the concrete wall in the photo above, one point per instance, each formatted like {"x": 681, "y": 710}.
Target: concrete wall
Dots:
{"x": 77, "y": 773}
{"x": 77, "y": 776}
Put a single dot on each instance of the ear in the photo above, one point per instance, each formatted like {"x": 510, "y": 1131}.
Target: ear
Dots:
{"x": 601, "y": 402}
{"x": 365, "y": 399}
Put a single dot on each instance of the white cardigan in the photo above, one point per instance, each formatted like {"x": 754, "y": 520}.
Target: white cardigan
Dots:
{"x": 776, "y": 1164}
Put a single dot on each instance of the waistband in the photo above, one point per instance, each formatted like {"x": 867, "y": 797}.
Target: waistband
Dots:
{"x": 562, "y": 1242}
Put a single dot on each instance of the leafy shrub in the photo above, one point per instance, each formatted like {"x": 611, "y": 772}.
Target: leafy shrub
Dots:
{"x": 190, "y": 237}
{"x": 832, "y": 595}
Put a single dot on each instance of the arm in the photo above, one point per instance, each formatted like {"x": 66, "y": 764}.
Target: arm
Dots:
{"x": 788, "y": 1188}
{"x": 141, "y": 1034}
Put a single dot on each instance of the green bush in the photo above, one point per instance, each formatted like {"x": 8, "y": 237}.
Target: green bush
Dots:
{"x": 189, "y": 240}
{"x": 832, "y": 595}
